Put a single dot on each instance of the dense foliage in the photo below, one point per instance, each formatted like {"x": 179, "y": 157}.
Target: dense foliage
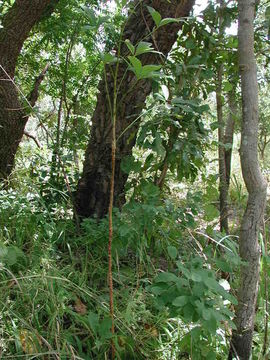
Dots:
{"x": 175, "y": 273}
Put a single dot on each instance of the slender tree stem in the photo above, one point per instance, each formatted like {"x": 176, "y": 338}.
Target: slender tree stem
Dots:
{"x": 249, "y": 246}
{"x": 110, "y": 211}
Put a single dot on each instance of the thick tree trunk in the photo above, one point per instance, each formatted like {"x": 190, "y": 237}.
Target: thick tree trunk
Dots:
{"x": 17, "y": 24}
{"x": 255, "y": 183}
{"x": 92, "y": 196}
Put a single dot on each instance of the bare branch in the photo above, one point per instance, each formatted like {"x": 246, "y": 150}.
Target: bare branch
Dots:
{"x": 33, "y": 96}
{"x": 31, "y": 136}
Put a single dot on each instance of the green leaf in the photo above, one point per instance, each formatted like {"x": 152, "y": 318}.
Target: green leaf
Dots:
{"x": 198, "y": 289}
{"x": 223, "y": 265}
{"x": 180, "y": 301}
{"x": 124, "y": 230}
{"x": 157, "y": 290}
{"x": 211, "y": 355}
{"x": 188, "y": 312}
{"x": 90, "y": 14}
{"x": 143, "y": 47}
{"x": 130, "y": 46}
{"x": 206, "y": 314}
{"x": 190, "y": 44}
{"x": 136, "y": 66}
{"x": 3, "y": 251}
{"x": 93, "y": 322}
{"x": 211, "y": 325}
{"x": 172, "y": 251}
{"x": 210, "y": 212}
{"x": 148, "y": 71}
{"x": 158, "y": 146}
{"x": 105, "y": 328}
{"x": 108, "y": 58}
{"x": 166, "y": 277}
{"x": 129, "y": 164}
{"x": 155, "y": 15}
{"x": 166, "y": 21}
{"x": 195, "y": 276}
{"x": 227, "y": 86}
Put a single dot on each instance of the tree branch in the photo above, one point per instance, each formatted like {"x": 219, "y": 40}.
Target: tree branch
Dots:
{"x": 33, "y": 96}
{"x": 27, "y": 134}
{"x": 17, "y": 24}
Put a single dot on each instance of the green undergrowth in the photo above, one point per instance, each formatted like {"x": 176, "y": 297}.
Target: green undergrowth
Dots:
{"x": 172, "y": 299}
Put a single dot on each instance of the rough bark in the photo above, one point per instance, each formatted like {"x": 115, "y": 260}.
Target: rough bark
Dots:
{"x": 255, "y": 183}
{"x": 17, "y": 24}
{"x": 92, "y": 196}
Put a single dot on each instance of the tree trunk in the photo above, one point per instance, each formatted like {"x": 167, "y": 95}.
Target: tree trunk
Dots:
{"x": 223, "y": 193}
{"x": 256, "y": 185}
{"x": 92, "y": 196}
{"x": 228, "y": 137}
{"x": 17, "y": 24}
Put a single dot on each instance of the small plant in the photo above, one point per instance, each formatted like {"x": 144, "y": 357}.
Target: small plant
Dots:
{"x": 193, "y": 293}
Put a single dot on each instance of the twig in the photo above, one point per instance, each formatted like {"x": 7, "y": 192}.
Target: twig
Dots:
{"x": 33, "y": 96}
{"x": 31, "y": 136}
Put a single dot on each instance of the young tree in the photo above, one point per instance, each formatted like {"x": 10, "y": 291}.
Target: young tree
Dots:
{"x": 16, "y": 26}
{"x": 241, "y": 343}
{"x": 223, "y": 200}
{"x": 92, "y": 196}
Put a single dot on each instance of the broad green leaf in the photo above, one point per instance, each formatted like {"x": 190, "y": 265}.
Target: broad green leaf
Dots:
{"x": 166, "y": 277}
{"x": 136, "y": 65}
{"x": 105, "y": 328}
{"x": 143, "y": 47}
{"x": 93, "y": 321}
{"x": 108, "y": 58}
{"x": 227, "y": 86}
{"x": 148, "y": 71}
{"x": 180, "y": 301}
{"x": 188, "y": 312}
{"x": 3, "y": 251}
{"x": 130, "y": 46}
{"x": 129, "y": 164}
{"x": 206, "y": 314}
{"x": 158, "y": 146}
{"x": 210, "y": 212}
{"x": 157, "y": 290}
{"x": 211, "y": 325}
{"x": 172, "y": 251}
{"x": 198, "y": 289}
{"x": 195, "y": 276}
{"x": 155, "y": 15}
